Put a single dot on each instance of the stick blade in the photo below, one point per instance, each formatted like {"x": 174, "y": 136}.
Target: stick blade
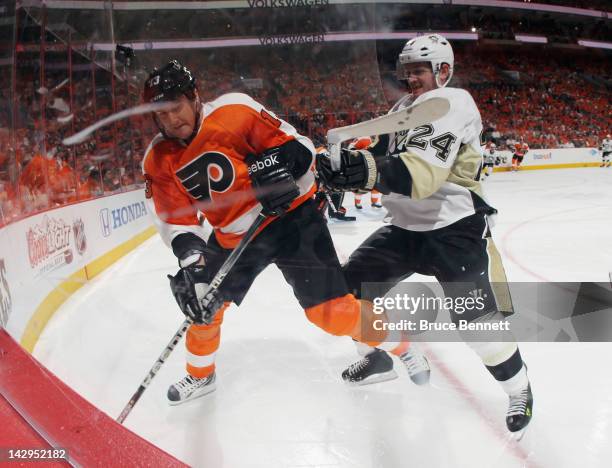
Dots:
{"x": 404, "y": 119}
{"x": 413, "y": 116}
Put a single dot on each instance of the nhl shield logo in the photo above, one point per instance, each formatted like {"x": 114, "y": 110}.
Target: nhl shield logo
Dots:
{"x": 78, "y": 227}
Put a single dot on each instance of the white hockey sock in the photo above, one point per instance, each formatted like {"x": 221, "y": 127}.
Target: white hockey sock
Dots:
{"x": 516, "y": 383}
{"x": 502, "y": 359}
{"x": 501, "y": 356}
{"x": 363, "y": 349}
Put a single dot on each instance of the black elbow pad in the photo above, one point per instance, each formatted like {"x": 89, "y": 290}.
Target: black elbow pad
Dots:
{"x": 393, "y": 176}
{"x": 298, "y": 157}
{"x": 186, "y": 244}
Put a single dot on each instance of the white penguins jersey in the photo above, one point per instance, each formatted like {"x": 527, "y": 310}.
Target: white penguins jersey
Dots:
{"x": 606, "y": 145}
{"x": 444, "y": 159}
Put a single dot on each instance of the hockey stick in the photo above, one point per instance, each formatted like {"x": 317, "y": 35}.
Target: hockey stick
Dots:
{"x": 81, "y": 136}
{"x": 214, "y": 285}
{"x": 403, "y": 119}
{"x": 330, "y": 203}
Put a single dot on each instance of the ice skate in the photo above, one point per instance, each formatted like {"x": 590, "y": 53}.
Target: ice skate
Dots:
{"x": 375, "y": 367}
{"x": 520, "y": 407}
{"x": 189, "y": 388}
{"x": 417, "y": 366}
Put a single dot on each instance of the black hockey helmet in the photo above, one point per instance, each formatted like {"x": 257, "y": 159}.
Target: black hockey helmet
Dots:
{"x": 169, "y": 82}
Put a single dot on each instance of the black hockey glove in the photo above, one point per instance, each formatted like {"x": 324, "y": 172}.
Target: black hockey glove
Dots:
{"x": 189, "y": 287}
{"x": 275, "y": 187}
{"x": 357, "y": 171}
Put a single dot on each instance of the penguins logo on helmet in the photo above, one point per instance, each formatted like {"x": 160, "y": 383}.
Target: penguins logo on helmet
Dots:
{"x": 434, "y": 49}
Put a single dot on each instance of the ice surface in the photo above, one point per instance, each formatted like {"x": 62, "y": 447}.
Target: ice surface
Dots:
{"x": 280, "y": 401}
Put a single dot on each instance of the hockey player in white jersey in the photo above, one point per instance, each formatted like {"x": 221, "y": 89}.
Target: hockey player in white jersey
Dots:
{"x": 606, "y": 149}
{"x": 488, "y": 160}
{"x": 438, "y": 217}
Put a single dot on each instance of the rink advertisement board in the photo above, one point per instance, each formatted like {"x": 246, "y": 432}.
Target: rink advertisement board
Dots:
{"x": 553, "y": 158}
{"x": 46, "y": 257}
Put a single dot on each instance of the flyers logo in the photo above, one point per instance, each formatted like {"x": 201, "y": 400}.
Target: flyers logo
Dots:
{"x": 209, "y": 172}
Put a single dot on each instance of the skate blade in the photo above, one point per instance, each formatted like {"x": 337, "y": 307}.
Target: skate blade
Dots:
{"x": 195, "y": 396}
{"x": 518, "y": 435}
{"x": 383, "y": 377}
{"x": 421, "y": 379}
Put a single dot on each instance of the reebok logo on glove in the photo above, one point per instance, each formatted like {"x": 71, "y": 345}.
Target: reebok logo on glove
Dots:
{"x": 273, "y": 184}
{"x": 262, "y": 164}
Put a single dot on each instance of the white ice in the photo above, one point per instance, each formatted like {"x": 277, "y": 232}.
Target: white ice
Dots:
{"x": 280, "y": 401}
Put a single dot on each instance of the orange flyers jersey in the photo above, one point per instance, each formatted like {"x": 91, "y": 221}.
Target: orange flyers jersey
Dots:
{"x": 209, "y": 176}
{"x": 520, "y": 149}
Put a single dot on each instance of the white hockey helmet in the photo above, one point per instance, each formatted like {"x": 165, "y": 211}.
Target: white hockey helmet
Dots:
{"x": 432, "y": 48}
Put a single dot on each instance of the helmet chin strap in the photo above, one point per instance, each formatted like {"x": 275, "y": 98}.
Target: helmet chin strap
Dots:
{"x": 196, "y": 125}
{"x": 437, "y": 77}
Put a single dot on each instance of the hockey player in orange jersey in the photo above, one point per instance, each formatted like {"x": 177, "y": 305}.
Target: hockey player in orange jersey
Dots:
{"x": 519, "y": 150}
{"x": 229, "y": 160}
